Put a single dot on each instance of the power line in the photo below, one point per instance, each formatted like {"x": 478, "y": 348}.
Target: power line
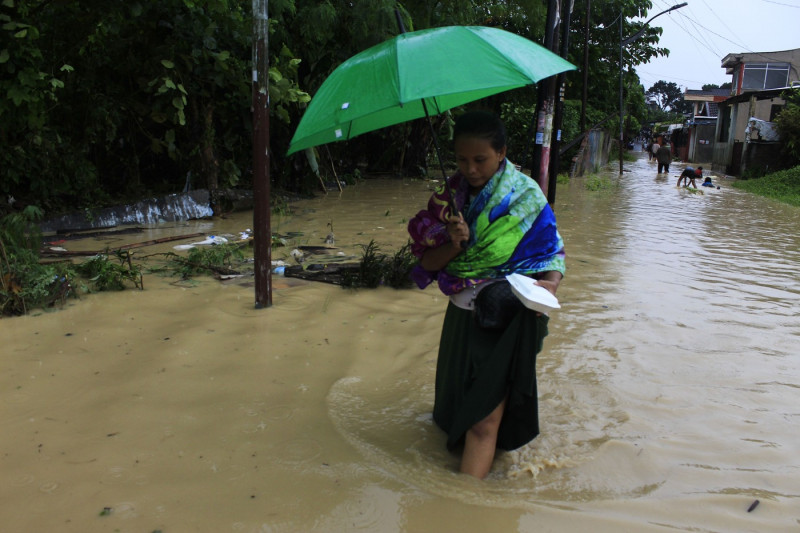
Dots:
{"x": 691, "y": 34}
{"x": 709, "y": 46}
{"x": 781, "y": 4}
{"x": 759, "y": 54}
{"x": 722, "y": 21}
{"x": 668, "y": 78}
{"x": 720, "y": 36}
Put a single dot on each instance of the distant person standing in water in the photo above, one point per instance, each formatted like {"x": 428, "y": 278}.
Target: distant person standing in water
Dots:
{"x": 664, "y": 157}
{"x": 652, "y": 148}
{"x": 498, "y": 222}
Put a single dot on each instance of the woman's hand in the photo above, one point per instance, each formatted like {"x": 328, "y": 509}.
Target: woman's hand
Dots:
{"x": 550, "y": 280}
{"x": 437, "y": 258}
{"x": 458, "y": 230}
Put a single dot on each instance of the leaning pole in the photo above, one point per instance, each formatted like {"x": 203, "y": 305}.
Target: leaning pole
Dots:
{"x": 262, "y": 233}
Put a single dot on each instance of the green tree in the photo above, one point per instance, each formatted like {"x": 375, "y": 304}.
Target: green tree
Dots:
{"x": 666, "y": 94}
{"x": 788, "y": 124}
{"x": 108, "y": 100}
{"x": 121, "y": 99}
{"x": 710, "y": 86}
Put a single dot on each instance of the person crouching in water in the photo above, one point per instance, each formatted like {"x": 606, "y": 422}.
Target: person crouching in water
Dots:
{"x": 497, "y": 222}
{"x": 688, "y": 176}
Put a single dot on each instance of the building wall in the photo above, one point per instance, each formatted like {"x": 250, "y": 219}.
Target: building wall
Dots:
{"x": 593, "y": 154}
{"x": 762, "y": 158}
{"x": 762, "y": 110}
{"x": 702, "y": 143}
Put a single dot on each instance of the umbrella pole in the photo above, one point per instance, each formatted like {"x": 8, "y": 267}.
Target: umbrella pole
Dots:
{"x": 453, "y": 208}
{"x": 333, "y": 167}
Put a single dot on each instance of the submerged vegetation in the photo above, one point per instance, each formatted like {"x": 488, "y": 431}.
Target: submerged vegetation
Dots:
{"x": 107, "y": 275}
{"x": 217, "y": 259}
{"x": 24, "y": 282}
{"x": 783, "y": 186}
{"x": 596, "y": 182}
{"x": 28, "y": 283}
{"x": 376, "y": 269}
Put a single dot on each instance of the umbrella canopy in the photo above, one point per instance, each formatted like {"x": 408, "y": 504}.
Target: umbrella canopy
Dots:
{"x": 444, "y": 67}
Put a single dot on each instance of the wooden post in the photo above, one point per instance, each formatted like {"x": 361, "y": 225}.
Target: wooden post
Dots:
{"x": 262, "y": 232}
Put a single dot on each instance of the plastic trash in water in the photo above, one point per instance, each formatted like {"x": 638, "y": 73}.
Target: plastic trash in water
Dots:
{"x": 279, "y": 270}
{"x": 213, "y": 239}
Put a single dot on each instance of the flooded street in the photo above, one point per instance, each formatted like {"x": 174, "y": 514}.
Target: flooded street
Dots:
{"x": 669, "y": 384}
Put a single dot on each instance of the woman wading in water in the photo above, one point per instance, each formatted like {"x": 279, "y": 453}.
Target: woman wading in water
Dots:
{"x": 486, "y": 394}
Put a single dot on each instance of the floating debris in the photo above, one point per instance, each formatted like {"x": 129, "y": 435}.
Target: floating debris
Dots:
{"x": 330, "y": 240}
{"x": 298, "y": 256}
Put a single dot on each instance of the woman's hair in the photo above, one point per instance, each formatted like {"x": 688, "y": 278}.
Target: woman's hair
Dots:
{"x": 481, "y": 125}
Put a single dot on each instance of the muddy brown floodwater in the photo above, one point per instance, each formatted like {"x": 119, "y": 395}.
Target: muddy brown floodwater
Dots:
{"x": 669, "y": 385}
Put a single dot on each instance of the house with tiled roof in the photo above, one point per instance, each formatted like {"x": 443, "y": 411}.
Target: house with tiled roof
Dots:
{"x": 704, "y": 103}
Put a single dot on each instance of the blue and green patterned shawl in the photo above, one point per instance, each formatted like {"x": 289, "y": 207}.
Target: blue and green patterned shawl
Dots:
{"x": 512, "y": 229}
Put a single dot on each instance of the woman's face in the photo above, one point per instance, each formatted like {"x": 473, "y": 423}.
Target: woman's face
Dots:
{"x": 477, "y": 160}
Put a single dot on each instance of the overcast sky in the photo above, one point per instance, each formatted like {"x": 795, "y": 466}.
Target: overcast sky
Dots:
{"x": 700, "y": 34}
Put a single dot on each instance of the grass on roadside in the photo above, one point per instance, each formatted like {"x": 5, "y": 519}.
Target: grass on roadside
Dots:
{"x": 783, "y": 186}
{"x": 597, "y": 182}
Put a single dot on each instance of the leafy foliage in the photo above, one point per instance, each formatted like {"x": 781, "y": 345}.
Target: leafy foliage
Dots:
{"x": 27, "y": 283}
{"x": 376, "y": 269}
{"x": 596, "y": 182}
{"x": 710, "y": 86}
{"x": 117, "y": 100}
{"x": 105, "y": 275}
{"x": 788, "y": 123}
{"x": 783, "y": 186}
{"x": 24, "y": 282}
{"x": 218, "y": 259}
{"x": 667, "y": 95}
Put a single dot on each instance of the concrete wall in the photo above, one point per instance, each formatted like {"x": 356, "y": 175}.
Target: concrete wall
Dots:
{"x": 761, "y": 109}
{"x": 593, "y": 154}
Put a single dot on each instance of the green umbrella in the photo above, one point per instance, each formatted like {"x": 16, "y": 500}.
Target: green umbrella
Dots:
{"x": 415, "y": 73}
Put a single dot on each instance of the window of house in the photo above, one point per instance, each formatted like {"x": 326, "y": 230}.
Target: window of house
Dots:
{"x": 759, "y": 76}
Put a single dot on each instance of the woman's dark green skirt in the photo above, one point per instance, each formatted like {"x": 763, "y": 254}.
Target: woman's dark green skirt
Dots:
{"x": 477, "y": 368}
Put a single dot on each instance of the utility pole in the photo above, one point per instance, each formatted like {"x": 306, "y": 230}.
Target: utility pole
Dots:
{"x": 621, "y": 104}
{"x": 558, "y": 116}
{"x": 585, "y": 95}
{"x": 262, "y": 232}
{"x": 544, "y": 106}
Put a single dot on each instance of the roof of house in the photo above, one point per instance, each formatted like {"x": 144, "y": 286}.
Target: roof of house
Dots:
{"x": 758, "y": 95}
{"x": 711, "y": 95}
{"x": 730, "y": 61}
